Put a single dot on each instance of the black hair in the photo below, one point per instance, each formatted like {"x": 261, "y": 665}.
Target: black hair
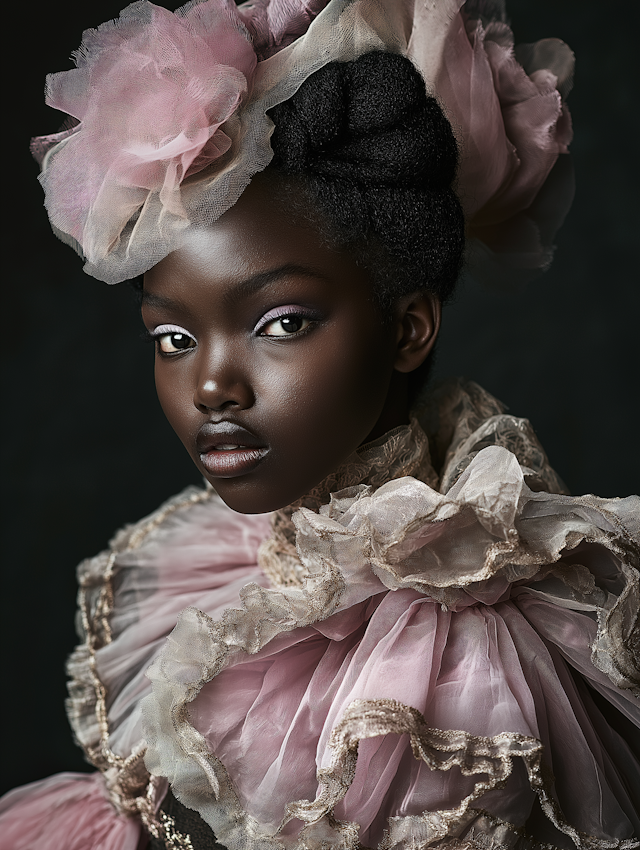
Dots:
{"x": 365, "y": 145}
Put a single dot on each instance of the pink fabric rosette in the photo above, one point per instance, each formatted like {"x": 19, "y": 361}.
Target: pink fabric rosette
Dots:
{"x": 507, "y": 107}
{"x": 151, "y": 93}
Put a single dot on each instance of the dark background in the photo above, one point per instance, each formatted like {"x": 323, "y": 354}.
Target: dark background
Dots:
{"x": 85, "y": 445}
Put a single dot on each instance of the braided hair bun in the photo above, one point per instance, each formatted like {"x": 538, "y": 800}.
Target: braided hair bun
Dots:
{"x": 375, "y": 155}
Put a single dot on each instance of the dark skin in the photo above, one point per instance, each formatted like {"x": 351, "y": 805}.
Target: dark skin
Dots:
{"x": 275, "y": 363}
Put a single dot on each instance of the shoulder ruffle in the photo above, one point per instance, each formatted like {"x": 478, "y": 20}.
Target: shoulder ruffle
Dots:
{"x": 191, "y": 550}
{"x": 86, "y": 704}
{"x": 488, "y": 533}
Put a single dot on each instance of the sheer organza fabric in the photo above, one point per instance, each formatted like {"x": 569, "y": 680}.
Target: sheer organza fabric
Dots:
{"x": 426, "y": 677}
{"x": 68, "y": 810}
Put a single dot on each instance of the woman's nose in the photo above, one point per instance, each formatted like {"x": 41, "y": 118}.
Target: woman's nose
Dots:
{"x": 222, "y": 384}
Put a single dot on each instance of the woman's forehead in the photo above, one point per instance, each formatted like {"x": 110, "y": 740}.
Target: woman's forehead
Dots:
{"x": 253, "y": 243}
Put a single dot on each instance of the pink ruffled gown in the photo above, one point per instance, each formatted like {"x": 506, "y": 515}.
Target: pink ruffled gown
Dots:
{"x": 405, "y": 658}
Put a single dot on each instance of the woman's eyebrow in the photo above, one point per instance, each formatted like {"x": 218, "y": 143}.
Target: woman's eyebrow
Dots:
{"x": 157, "y": 300}
{"x": 243, "y": 288}
{"x": 258, "y": 281}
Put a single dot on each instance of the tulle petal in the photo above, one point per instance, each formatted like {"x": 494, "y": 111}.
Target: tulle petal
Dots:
{"x": 150, "y": 90}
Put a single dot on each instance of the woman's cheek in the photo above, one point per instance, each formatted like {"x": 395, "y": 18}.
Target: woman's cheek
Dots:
{"x": 176, "y": 400}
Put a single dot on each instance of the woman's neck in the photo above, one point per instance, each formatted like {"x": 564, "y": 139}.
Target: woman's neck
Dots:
{"x": 396, "y": 408}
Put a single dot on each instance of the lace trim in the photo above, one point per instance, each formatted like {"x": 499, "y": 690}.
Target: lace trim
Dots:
{"x": 357, "y": 532}
{"x": 439, "y": 749}
{"x": 484, "y": 831}
{"x": 460, "y": 419}
{"x": 492, "y": 757}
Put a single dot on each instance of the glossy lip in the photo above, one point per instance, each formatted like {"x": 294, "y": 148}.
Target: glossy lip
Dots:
{"x": 228, "y": 463}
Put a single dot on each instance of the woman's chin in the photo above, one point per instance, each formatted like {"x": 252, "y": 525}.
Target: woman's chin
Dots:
{"x": 247, "y": 498}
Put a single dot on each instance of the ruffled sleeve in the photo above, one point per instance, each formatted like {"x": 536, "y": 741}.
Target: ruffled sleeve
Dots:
{"x": 68, "y": 810}
{"x": 192, "y": 550}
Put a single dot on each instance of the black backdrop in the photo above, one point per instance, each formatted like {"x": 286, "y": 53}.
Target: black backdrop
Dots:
{"x": 86, "y": 447}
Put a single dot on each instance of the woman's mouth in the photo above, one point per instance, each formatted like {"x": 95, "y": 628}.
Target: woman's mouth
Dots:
{"x": 227, "y": 450}
{"x": 229, "y": 461}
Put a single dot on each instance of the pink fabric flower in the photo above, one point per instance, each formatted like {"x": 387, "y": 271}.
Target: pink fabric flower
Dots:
{"x": 512, "y": 125}
{"x": 274, "y": 24}
{"x": 532, "y": 126}
{"x": 151, "y": 92}
{"x": 159, "y": 97}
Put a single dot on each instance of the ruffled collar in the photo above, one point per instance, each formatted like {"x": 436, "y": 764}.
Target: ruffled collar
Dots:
{"x": 371, "y": 527}
{"x": 401, "y": 452}
{"x": 455, "y": 421}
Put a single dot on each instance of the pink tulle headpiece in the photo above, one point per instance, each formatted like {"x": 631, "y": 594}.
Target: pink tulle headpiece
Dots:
{"x": 169, "y": 119}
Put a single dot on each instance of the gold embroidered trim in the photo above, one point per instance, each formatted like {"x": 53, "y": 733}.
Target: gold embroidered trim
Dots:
{"x": 163, "y": 826}
{"x": 492, "y": 757}
{"x": 460, "y": 418}
{"x": 440, "y": 750}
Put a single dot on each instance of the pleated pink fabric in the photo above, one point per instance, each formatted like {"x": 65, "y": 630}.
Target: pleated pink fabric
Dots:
{"x": 201, "y": 559}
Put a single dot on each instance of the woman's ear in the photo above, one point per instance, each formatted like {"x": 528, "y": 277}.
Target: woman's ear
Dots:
{"x": 418, "y": 322}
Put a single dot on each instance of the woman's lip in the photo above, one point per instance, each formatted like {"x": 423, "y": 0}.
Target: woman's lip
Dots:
{"x": 215, "y": 435}
{"x": 231, "y": 463}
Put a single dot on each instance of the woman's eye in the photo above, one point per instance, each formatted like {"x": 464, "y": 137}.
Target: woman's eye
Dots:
{"x": 285, "y": 325}
{"x": 173, "y": 340}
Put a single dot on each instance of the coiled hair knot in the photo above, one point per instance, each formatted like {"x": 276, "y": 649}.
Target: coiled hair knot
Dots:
{"x": 377, "y": 158}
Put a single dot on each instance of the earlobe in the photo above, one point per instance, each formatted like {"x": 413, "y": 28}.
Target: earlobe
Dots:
{"x": 418, "y": 323}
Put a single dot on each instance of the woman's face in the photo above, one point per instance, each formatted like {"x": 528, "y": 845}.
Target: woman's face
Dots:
{"x": 273, "y": 364}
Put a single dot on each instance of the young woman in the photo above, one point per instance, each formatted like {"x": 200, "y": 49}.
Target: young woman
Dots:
{"x": 394, "y": 631}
